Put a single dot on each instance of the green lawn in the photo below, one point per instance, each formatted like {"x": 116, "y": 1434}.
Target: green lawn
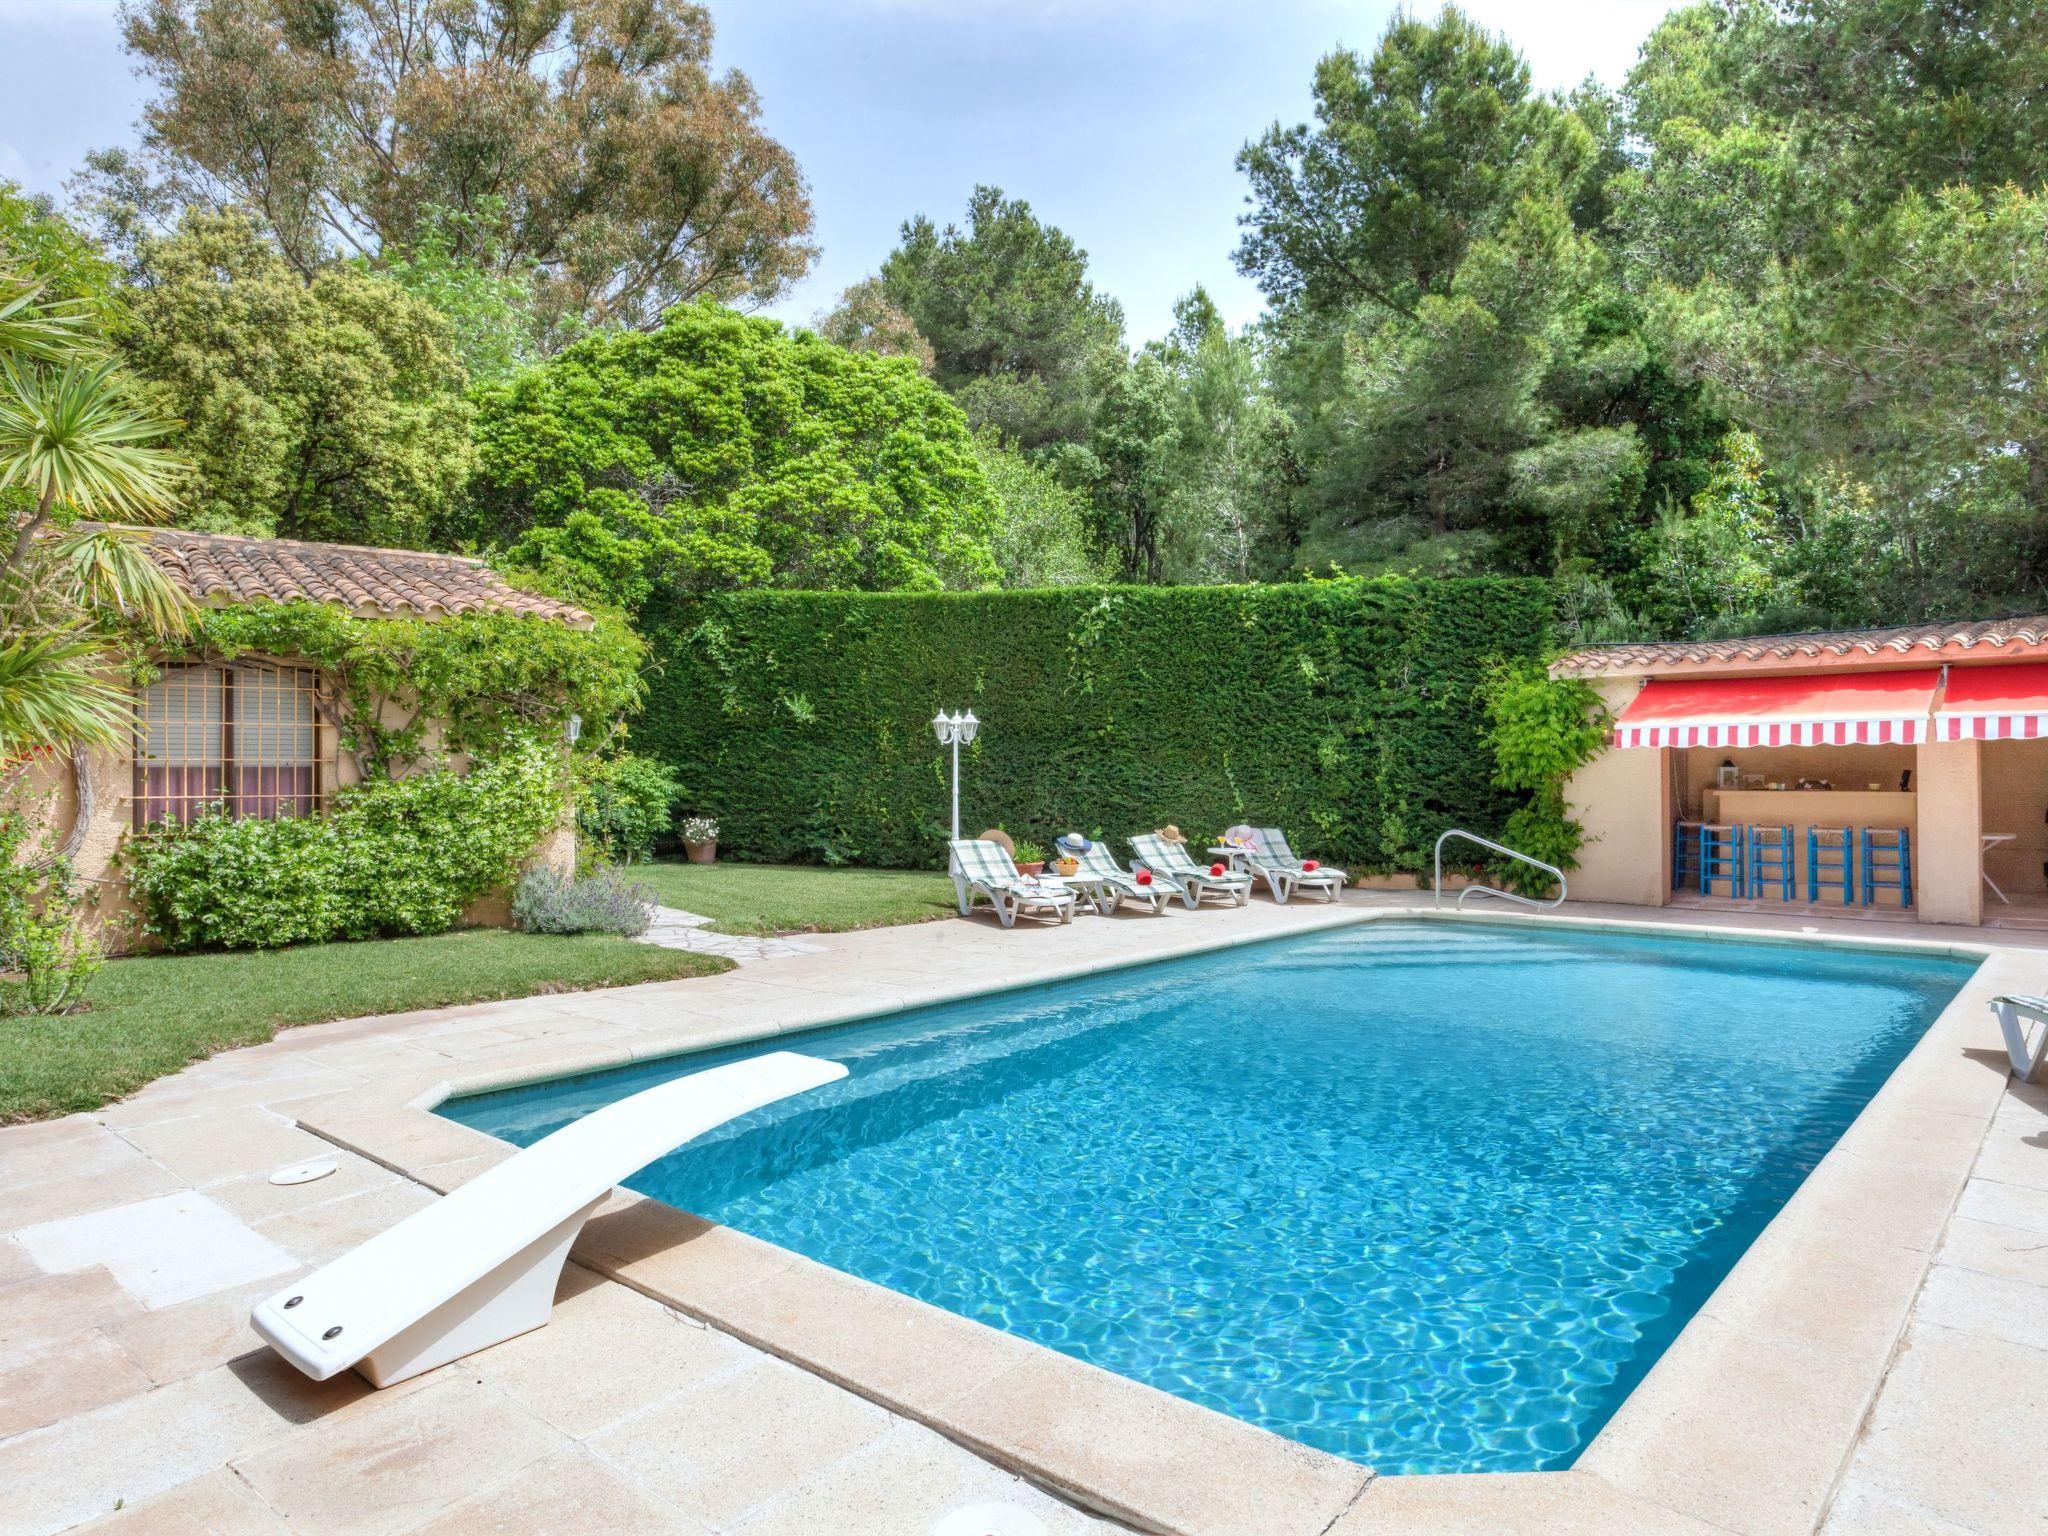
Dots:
{"x": 151, "y": 1015}
{"x": 798, "y": 898}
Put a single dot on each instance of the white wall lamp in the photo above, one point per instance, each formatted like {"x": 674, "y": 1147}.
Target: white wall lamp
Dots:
{"x": 955, "y": 731}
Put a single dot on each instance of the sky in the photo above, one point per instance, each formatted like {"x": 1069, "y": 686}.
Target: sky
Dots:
{"x": 1117, "y": 120}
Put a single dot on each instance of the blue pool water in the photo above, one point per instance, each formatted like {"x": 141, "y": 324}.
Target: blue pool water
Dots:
{"x": 1429, "y": 1196}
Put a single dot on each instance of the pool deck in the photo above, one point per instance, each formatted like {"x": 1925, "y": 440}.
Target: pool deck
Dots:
{"x": 1877, "y": 1363}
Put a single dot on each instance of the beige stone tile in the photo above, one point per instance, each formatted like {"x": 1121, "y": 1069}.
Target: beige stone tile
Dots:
{"x": 1508, "y": 1504}
{"x": 395, "y": 1463}
{"x": 29, "y": 1205}
{"x": 15, "y": 1264}
{"x": 899, "y": 1351}
{"x": 1958, "y": 1433}
{"x": 569, "y": 1494}
{"x": 129, "y": 1451}
{"x": 1736, "y": 1430}
{"x": 322, "y": 1233}
{"x": 218, "y": 1504}
{"x": 1844, "y": 1189}
{"x": 1156, "y": 1460}
{"x": 902, "y": 1485}
{"x": 35, "y": 1314}
{"x": 606, "y": 1353}
{"x": 710, "y": 1448}
{"x": 1900, "y": 1132}
{"x": 1994, "y": 1250}
{"x": 176, "y": 1099}
{"x": 193, "y": 1336}
{"x": 2005, "y": 1205}
{"x": 1843, "y": 1292}
{"x": 83, "y": 1147}
{"x": 75, "y": 1376}
{"x": 1996, "y": 1306}
{"x": 254, "y": 1198}
{"x": 1858, "y": 1512}
{"x": 236, "y": 1142}
{"x": 2013, "y": 1160}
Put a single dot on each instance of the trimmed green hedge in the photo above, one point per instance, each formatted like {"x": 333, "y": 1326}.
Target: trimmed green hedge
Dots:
{"x": 1348, "y": 712}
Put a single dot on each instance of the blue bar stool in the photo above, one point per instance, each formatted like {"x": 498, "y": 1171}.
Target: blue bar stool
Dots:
{"x": 1831, "y": 862}
{"x": 1887, "y": 864}
{"x": 1721, "y": 858}
{"x": 1685, "y": 854}
{"x": 1773, "y": 869}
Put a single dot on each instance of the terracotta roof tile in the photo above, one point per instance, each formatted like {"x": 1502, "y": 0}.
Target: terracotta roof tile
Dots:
{"x": 2013, "y": 638}
{"x": 217, "y": 568}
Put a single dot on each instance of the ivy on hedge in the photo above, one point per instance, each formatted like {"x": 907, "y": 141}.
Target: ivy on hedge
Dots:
{"x": 397, "y": 856}
{"x": 1350, "y": 712}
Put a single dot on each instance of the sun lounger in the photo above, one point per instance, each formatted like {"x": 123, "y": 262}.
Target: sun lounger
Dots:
{"x": 1193, "y": 881}
{"x": 987, "y": 870}
{"x": 1096, "y": 863}
{"x": 1274, "y": 862}
{"x": 479, "y": 1266}
{"x": 2012, "y": 1015}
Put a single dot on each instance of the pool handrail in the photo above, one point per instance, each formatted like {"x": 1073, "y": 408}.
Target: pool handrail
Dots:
{"x": 1487, "y": 890}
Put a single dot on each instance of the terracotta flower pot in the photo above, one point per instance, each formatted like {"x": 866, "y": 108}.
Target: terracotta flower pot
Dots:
{"x": 703, "y": 853}
{"x": 1036, "y": 867}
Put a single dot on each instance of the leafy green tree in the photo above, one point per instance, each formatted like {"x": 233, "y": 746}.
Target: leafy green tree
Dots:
{"x": 1232, "y": 470}
{"x": 1416, "y": 153}
{"x": 487, "y": 301}
{"x": 587, "y": 139}
{"x": 1020, "y": 336}
{"x": 865, "y": 321}
{"x": 724, "y": 451}
{"x": 1041, "y": 535}
{"x": 330, "y": 409}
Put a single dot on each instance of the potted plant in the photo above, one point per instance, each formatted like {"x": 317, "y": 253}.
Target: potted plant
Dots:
{"x": 1030, "y": 858}
{"x": 700, "y": 837}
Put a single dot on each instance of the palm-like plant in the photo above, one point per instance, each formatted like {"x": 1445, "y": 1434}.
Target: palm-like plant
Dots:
{"x": 73, "y": 444}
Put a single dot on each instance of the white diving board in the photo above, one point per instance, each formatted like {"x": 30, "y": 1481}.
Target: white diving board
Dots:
{"x": 480, "y": 1265}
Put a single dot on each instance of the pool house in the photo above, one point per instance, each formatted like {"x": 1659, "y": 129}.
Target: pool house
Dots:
{"x": 1891, "y": 773}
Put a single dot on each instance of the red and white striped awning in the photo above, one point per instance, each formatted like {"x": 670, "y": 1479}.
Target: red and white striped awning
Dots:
{"x": 1874, "y": 708}
{"x": 1994, "y": 703}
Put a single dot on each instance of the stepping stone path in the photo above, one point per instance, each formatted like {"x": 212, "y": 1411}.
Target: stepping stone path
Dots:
{"x": 674, "y": 928}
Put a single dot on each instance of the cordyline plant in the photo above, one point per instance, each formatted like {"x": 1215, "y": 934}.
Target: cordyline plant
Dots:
{"x": 75, "y": 449}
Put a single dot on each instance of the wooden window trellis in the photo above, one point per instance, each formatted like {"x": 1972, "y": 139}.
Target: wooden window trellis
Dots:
{"x": 247, "y": 737}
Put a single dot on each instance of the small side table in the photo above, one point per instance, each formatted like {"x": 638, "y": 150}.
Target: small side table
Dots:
{"x": 1098, "y": 891}
{"x": 1991, "y": 841}
{"x": 1238, "y": 859}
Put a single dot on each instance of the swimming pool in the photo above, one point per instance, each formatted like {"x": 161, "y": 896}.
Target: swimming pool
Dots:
{"x": 1430, "y": 1196}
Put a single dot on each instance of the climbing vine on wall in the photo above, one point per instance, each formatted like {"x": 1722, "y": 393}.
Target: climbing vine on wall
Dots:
{"x": 487, "y": 679}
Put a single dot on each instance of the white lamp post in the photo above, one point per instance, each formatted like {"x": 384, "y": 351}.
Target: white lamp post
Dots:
{"x": 953, "y": 731}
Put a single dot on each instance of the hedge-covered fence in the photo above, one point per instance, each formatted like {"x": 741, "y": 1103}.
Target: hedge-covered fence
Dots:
{"x": 1348, "y": 712}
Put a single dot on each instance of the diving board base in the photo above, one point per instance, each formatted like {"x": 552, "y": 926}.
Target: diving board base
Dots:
{"x": 516, "y": 1297}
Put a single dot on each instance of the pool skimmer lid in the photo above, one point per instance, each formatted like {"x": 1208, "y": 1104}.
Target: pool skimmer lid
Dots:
{"x": 305, "y": 1173}
{"x": 989, "y": 1520}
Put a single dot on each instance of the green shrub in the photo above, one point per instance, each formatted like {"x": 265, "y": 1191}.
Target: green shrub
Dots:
{"x": 603, "y": 901}
{"x": 1349, "y": 712}
{"x": 47, "y": 953}
{"x": 402, "y": 856}
{"x": 1541, "y": 730}
{"x": 625, "y": 804}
